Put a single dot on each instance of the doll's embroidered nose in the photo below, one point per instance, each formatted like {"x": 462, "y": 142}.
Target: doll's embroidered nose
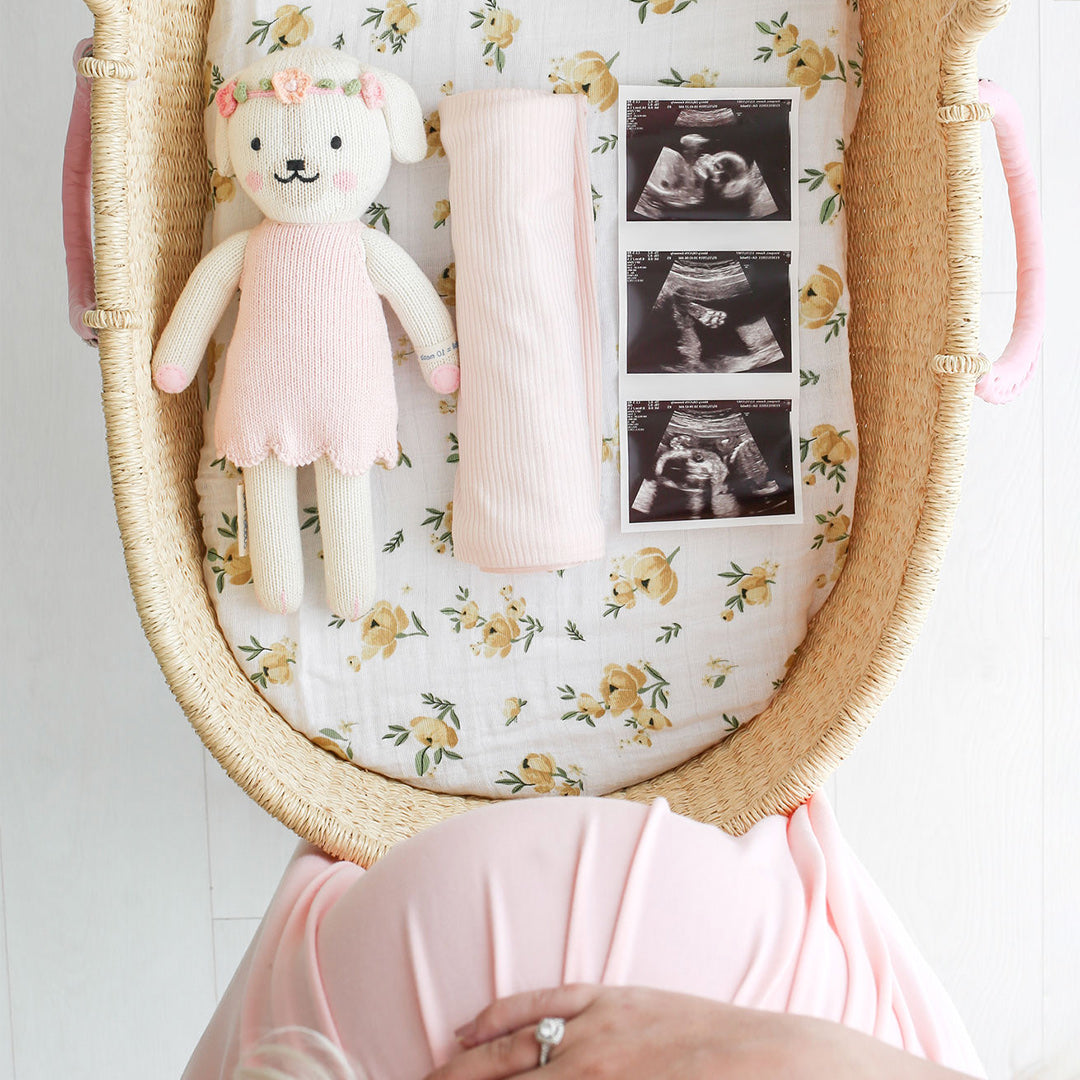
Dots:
{"x": 294, "y": 169}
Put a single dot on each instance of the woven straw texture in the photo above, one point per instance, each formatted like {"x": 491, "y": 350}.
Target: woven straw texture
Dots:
{"x": 913, "y": 193}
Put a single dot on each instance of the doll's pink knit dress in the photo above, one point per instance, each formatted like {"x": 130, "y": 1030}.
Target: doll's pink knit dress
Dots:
{"x": 309, "y": 369}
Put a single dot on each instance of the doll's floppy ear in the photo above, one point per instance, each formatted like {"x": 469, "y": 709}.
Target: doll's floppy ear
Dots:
{"x": 404, "y": 117}
{"x": 222, "y": 159}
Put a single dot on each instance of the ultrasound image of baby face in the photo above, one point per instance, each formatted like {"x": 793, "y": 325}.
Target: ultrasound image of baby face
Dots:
{"x": 725, "y": 176}
{"x": 691, "y": 480}
{"x": 689, "y": 467}
{"x": 705, "y": 175}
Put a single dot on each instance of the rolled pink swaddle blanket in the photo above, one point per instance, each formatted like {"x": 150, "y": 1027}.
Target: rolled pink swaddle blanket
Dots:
{"x": 527, "y": 492}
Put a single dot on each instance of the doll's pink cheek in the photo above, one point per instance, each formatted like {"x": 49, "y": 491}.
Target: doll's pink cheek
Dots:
{"x": 345, "y": 180}
{"x": 253, "y": 181}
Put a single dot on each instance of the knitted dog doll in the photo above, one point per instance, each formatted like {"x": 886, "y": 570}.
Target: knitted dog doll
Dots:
{"x": 308, "y": 378}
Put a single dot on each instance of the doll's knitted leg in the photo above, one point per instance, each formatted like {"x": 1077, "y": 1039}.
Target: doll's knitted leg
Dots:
{"x": 277, "y": 563}
{"x": 348, "y": 544}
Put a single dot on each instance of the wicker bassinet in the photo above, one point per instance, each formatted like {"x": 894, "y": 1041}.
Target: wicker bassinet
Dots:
{"x": 914, "y": 200}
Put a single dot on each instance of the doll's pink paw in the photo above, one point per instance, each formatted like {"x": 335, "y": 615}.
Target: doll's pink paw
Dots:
{"x": 171, "y": 379}
{"x": 446, "y": 378}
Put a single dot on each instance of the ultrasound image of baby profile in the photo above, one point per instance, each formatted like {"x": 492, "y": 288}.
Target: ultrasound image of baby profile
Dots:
{"x": 702, "y": 162}
{"x": 720, "y": 181}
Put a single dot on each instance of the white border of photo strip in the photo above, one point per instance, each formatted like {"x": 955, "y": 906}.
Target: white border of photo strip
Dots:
{"x": 719, "y": 236}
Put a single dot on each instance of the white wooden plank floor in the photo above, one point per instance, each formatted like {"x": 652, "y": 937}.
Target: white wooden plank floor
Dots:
{"x": 129, "y": 890}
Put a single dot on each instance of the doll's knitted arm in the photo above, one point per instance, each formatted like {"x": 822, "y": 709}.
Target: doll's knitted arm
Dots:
{"x": 205, "y": 297}
{"x": 417, "y": 305}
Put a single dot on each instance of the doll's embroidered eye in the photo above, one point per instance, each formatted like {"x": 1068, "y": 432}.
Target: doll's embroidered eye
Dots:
{"x": 335, "y": 142}
{"x": 256, "y": 144}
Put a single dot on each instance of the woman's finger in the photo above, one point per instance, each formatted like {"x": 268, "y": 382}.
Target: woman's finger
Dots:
{"x": 499, "y": 1058}
{"x": 520, "y": 1010}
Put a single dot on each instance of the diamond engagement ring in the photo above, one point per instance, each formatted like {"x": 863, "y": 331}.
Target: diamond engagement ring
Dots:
{"x": 549, "y": 1033}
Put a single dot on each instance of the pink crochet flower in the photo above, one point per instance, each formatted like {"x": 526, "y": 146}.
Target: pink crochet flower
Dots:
{"x": 226, "y": 103}
{"x": 291, "y": 85}
{"x": 371, "y": 90}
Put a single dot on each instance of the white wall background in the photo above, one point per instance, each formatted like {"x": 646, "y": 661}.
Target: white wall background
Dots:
{"x": 133, "y": 872}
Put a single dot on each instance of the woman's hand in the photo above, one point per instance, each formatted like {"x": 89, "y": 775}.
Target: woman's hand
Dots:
{"x": 626, "y": 1033}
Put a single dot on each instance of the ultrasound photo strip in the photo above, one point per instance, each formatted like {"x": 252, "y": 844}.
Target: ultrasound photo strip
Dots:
{"x": 708, "y": 243}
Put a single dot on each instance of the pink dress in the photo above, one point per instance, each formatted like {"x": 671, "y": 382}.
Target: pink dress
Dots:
{"x": 387, "y": 962}
{"x": 309, "y": 369}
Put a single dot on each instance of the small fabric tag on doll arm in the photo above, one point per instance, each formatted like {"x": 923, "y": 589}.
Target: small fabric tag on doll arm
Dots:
{"x": 439, "y": 365}
{"x": 434, "y": 356}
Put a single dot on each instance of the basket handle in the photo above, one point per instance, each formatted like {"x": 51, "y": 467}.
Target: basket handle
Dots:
{"x": 75, "y": 197}
{"x": 1011, "y": 372}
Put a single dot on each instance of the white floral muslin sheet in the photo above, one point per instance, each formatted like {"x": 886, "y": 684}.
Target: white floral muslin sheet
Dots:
{"x": 608, "y": 673}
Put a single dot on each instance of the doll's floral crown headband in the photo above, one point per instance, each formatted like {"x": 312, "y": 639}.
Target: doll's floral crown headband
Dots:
{"x": 292, "y": 85}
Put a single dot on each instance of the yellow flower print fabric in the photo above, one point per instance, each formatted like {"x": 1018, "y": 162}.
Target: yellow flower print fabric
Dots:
{"x": 290, "y": 26}
{"x": 497, "y": 25}
{"x": 590, "y": 74}
{"x": 647, "y": 573}
{"x": 583, "y": 681}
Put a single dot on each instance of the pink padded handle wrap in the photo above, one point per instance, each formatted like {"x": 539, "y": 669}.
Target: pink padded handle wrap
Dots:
{"x": 1004, "y": 381}
{"x": 75, "y": 195}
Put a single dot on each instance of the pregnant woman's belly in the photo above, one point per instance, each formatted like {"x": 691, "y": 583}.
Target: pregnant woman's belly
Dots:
{"x": 388, "y": 962}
